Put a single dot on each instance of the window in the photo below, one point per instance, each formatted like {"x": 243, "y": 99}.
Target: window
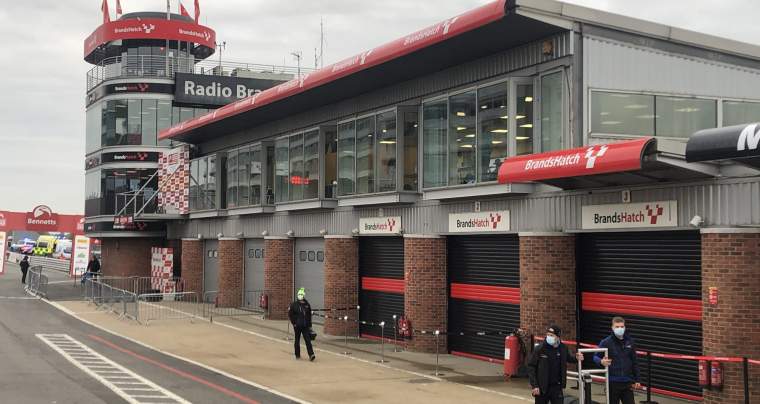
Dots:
{"x": 211, "y": 183}
{"x": 680, "y": 117}
{"x": 551, "y": 112}
{"x": 737, "y": 112}
{"x": 365, "y": 155}
{"x": 203, "y": 183}
{"x": 524, "y": 119}
{"x": 149, "y": 115}
{"x": 203, "y": 202}
{"x": 232, "y": 179}
{"x": 386, "y": 151}
{"x": 493, "y": 128}
{"x": 254, "y": 171}
{"x": 346, "y": 162}
{"x": 270, "y": 175}
{"x": 164, "y": 114}
{"x": 281, "y": 170}
{"x": 134, "y": 124}
{"x": 296, "y": 179}
{"x": 93, "y": 128}
{"x": 331, "y": 162}
{"x": 434, "y": 142}
{"x": 462, "y": 138}
{"x": 411, "y": 138}
{"x": 311, "y": 165}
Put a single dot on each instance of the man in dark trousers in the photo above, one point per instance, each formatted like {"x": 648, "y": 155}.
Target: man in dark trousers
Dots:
{"x": 24, "y": 264}
{"x": 547, "y": 368}
{"x": 621, "y": 362}
{"x": 300, "y": 316}
{"x": 93, "y": 267}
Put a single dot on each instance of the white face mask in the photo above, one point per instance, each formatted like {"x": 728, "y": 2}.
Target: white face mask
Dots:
{"x": 619, "y": 331}
{"x": 301, "y": 297}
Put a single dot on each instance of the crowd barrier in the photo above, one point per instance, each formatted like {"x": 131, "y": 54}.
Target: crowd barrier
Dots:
{"x": 36, "y": 281}
{"x": 249, "y": 306}
{"x": 167, "y": 306}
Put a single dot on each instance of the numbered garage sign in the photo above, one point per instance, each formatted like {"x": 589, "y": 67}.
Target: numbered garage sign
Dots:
{"x": 81, "y": 255}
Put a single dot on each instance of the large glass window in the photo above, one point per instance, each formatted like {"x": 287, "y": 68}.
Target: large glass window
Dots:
{"x": 434, "y": 143}
{"x": 203, "y": 183}
{"x": 680, "y": 117}
{"x": 193, "y": 187}
{"x": 411, "y": 139}
{"x": 524, "y": 119}
{"x": 149, "y": 115}
{"x": 386, "y": 151}
{"x": 311, "y": 165}
{"x": 203, "y": 202}
{"x": 365, "y": 155}
{"x": 737, "y": 112}
{"x": 232, "y": 179}
{"x": 493, "y": 128}
{"x": 282, "y": 169}
{"x": 624, "y": 114}
{"x": 551, "y": 112}
{"x": 462, "y": 139}
{"x": 244, "y": 169}
{"x": 346, "y": 161}
{"x": 296, "y": 179}
{"x": 255, "y": 175}
{"x": 164, "y": 115}
{"x": 116, "y": 182}
{"x": 93, "y": 129}
{"x": 211, "y": 183}
{"x": 134, "y": 122}
{"x": 331, "y": 162}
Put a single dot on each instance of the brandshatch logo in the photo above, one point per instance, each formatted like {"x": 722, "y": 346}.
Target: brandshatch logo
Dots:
{"x": 592, "y": 154}
{"x": 654, "y": 213}
{"x": 148, "y": 28}
{"x": 495, "y": 220}
{"x": 391, "y": 224}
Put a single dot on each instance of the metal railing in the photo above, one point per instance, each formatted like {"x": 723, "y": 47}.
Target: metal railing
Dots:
{"x": 167, "y": 306}
{"x": 141, "y": 285}
{"x": 36, "y": 281}
{"x": 249, "y": 306}
{"x": 165, "y": 67}
{"x": 112, "y": 299}
{"x": 134, "y": 203}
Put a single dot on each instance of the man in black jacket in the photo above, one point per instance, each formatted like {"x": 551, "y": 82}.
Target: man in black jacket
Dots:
{"x": 622, "y": 364}
{"x": 547, "y": 368}
{"x": 299, "y": 314}
{"x": 24, "y": 264}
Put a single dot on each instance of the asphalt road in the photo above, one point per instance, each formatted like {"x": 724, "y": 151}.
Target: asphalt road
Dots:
{"x": 33, "y": 372}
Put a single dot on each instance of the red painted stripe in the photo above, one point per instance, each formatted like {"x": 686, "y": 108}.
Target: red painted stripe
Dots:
{"x": 485, "y": 293}
{"x": 676, "y": 394}
{"x": 383, "y": 284}
{"x": 223, "y": 390}
{"x": 489, "y": 359}
{"x": 661, "y": 307}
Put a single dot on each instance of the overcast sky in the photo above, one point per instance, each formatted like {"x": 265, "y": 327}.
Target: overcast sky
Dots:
{"x": 42, "y": 73}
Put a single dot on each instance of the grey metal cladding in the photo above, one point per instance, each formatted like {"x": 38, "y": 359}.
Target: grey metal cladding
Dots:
{"x": 410, "y": 91}
{"x": 734, "y": 202}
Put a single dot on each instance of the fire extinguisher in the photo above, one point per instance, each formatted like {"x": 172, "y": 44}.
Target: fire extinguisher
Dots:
{"x": 704, "y": 374}
{"x": 263, "y": 301}
{"x": 512, "y": 355}
{"x": 404, "y": 327}
{"x": 716, "y": 374}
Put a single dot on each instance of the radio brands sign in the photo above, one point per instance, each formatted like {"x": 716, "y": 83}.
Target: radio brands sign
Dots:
{"x": 478, "y": 222}
{"x": 630, "y": 215}
{"x": 213, "y": 90}
{"x": 380, "y": 225}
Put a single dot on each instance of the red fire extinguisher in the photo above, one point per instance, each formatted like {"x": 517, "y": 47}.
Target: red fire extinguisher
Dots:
{"x": 716, "y": 374}
{"x": 704, "y": 374}
{"x": 512, "y": 355}
{"x": 263, "y": 301}
{"x": 404, "y": 327}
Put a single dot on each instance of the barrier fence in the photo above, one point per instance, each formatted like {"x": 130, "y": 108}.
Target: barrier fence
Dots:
{"x": 36, "y": 281}
{"x": 167, "y": 306}
{"x": 249, "y": 305}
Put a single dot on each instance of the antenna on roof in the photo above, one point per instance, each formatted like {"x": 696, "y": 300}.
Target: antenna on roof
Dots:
{"x": 321, "y": 43}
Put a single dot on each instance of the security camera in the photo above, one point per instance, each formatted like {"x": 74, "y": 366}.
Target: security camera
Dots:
{"x": 290, "y": 233}
{"x": 240, "y": 234}
{"x": 219, "y": 235}
{"x": 323, "y": 232}
{"x": 696, "y": 221}
{"x": 200, "y": 236}
{"x": 264, "y": 233}
{"x": 355, "y": 232}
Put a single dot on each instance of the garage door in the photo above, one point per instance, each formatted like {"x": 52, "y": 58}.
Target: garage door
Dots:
{"x": 484, "y": 290}
{"x": 310, "y": 271}
{"x": 253, "y": 284}
{"x": 211, "y": 266}
{"x": 653, "y": 279}
{"x": 381, "y": 273}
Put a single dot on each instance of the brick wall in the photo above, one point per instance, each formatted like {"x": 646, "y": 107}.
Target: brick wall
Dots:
{"x": 278, "y": 276}
{"x": 231, "y": 256}
{"x": 192, "y": 265}
{"x": 341, "y": 281}
{"x": 127, "y": 256}
{"x": 547, "y": 283}
{"x": 425, "y": 299}
{"x": 731, "y": 262}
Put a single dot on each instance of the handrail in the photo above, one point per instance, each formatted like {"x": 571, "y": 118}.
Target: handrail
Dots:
{"x": 138, "y": 192}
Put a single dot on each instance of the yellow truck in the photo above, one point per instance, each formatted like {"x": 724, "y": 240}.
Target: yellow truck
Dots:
{"x": 45, "y": 246}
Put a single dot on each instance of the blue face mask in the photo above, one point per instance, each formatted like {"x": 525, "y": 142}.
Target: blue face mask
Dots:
{"x": 551, "y": 340}
{"x": 619, "y": 332}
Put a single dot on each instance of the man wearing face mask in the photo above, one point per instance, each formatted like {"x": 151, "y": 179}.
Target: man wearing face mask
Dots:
{"x": 547, "y": 368}
{"x": 621, "y": 361}
{"x": 299, "y": 314}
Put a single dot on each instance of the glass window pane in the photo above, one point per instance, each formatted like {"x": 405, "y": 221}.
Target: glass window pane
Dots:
{"x": 365, "y": 155}
{"x": 311, "y": 165}
{"x": 737, "y": 113}
{"x": 108, "y": 124}
{"x": 232, "y": 179}
{"x": 185, "y": 113}
{"x": 296, "y": 168}
{"x": 411, "y": 139}
{"x": 524, "y": 119}
{"x": 202, "y": 184}
{"x": 681, "y": 117}
{"x": 193, "y": 186}
{"x": 175, "y": 115}
{"x": 386, "y": 151}
{"x": 434, "y": 144}
{"x": 93, "y": 129}
{"x": 164, "y": 117}
{"x": 121, "y": 115}
{"x": 255, "y": 174}
{"x": 149, "y": 113}
{"x": 623, "y": 114}
{"x": 281, "y": 170}
{"x": 346, "y": 163}
{"x": 211, "y": 183}
{"x": 462, "y": 109}
{"x": 244, "y": 168}
{"x": 493, "y": 128}
{"x": 331, "y": 161}
{"x": 551, "y": 112}
{"x": 134, "y": 125}
{"x": 270, "y": 169}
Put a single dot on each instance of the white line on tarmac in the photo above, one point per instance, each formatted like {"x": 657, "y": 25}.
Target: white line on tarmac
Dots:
{"x": 17, "y": 298}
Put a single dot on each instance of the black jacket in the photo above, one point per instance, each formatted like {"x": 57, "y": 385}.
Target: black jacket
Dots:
{"x": 538, "y": 367}
{"x": 624, "y": 367}
{"x": 299, "y": 314}
{"x": 24, "y": 265}
{"x": 93, "y": 266}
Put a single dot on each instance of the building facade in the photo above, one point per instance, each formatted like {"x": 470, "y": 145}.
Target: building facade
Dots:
{"x": 524, "y": 163}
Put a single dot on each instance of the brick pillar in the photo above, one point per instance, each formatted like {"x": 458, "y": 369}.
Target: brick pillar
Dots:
{"x": 231, "y": 265}
{"x": 278, "y": 275}
{"x": 192, "y": 265}
{"x": 341, "y": 281}
{"x": 547, "y": 283}
{"x": 731, "y": 263}
{"x": 127, "y": 256}
{"x": 425, "y": 298}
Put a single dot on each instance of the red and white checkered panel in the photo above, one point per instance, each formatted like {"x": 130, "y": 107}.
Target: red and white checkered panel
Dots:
{"x": 174, "y": 180}
{"x": 162, "y": 269}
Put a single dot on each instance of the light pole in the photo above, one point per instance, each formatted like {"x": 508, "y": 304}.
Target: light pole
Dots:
{"x": 297, "y": 56}
{"x": 221, "y": 46}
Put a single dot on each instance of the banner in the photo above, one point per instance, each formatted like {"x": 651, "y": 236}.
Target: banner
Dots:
{"x": 380, "y": 225}
{"x": 174, "y": 180}
{"x": 162, "y": 269}
{"x": 81, "y": 255}
{"x": 477, "y": 222}
{"x": 3, "y": 245}
{"x": 630, "y": 215}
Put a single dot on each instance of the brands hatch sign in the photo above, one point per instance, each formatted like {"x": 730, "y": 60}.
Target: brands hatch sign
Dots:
{"x": 380, "y": 225}
{"x": 201, "y": 89}
{"x": 478, "y": 222}
{"x": 630, "y": 215}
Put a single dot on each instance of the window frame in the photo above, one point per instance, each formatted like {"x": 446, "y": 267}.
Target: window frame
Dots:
{"x": 538, "y": 100}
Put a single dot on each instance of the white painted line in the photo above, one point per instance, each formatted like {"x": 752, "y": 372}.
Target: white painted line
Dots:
{"x": 50, "y": 340}
{"x": 17, "y": 298}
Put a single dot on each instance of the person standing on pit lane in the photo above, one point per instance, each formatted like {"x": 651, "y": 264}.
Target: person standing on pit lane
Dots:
{"x": 621, "y": 363}
{"x": 299, "y": 314}
{"x": 547, "y": 368}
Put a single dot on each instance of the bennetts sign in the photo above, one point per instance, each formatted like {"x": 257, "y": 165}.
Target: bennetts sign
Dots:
{"x": 630, "y": 215}
{"x": 477, "y": 222}
{"x": 202, "y": 89}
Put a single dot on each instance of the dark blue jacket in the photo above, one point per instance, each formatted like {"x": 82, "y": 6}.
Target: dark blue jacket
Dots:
{"x": 624, "y": 368}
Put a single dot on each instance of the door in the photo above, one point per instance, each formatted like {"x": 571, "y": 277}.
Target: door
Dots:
{"x": 381, "y": 277}
{"x": 253, "y": 281}
{"x": 484, "y": 292}
{"x": 310, "y": 271}
{"x": 211, "y": 266}
{"x": 653, "y": 280}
